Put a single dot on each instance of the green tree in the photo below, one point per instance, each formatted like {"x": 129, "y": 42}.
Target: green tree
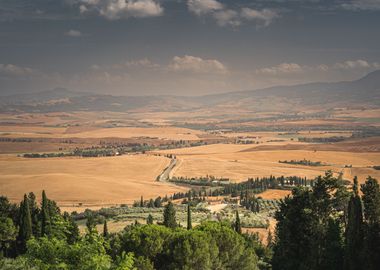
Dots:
{"x": 44, "y": 216}
{"x": 237, "y": 223}
{"x": 354, "y": 231}
{"x": 371, "y": 202}
{"x": 189, "y": 224}
{"x": 105, "y": 229}
{"x": 170, "y": 216}
{"x": 303, "y": 227}
{"x": 25, "y": 230}
{"x": 8, "y": 233}
{"x": 34, "y": 213}
{"x": 149, "y": 219}
{"x": 141, "y": 201}
{"x": 231, "y": 252}
{"x": 146, "y": 241}
{"x": 188, "y": 250}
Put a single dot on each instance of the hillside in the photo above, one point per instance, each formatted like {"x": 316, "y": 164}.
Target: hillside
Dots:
{"x": 362, "y": 92}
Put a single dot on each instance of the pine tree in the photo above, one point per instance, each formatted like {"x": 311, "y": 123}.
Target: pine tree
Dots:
{"x": 149, "y": 220}
{"x": 237, "y": 223}
{"x": 189, "y": 224}
{"x": 25, "y": 231}
{"x": 45, "y": 217}
{"x": 354, "y": 231}
{"x": 169, "y": 216}
{"x": 105, "y": 229}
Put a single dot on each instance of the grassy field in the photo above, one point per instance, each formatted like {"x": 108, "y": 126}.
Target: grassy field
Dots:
{"x": 93, "y": 182}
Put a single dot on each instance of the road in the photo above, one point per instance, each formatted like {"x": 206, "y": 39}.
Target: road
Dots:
{"x": 164, "y": 176}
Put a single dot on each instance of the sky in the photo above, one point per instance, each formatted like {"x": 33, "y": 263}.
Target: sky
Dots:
{"x": 184, "y": 47}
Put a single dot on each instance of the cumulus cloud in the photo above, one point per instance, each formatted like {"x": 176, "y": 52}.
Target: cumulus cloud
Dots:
{"x": 353, "y": 64}
{"x": 194, "y": 64}
{"x": 119, "y": 9}
{"x": 281, "y": 69}
{"x": 14, "y": 70}
{"x": 362, "y": 5}
{"x": 294, "y": 68}
{"x": 225, "y": 16}
{"x": 73, "y": 33}
{"x": 266, "y": 16}
{"x": 201, "y": 7}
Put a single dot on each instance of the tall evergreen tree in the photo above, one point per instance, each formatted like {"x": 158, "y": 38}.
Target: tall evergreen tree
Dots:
{"x": 170, "y": 216}
{"x": 354, "y": 231}
{"x": 45, "y": 217}
{"x": 371, "y": 201}
{"x": 34, "y": 213}
{"x": 105, "y": 229}
{"x": 149, "y": 220}
{"x": 237, "y": 223}
{"x": 189, "y": 224}
{"x": 141, "y": 201}
{"x": 25, "y": 230}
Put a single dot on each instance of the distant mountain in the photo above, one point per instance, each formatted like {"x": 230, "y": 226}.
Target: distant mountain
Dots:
{"x": 362, "y": 92}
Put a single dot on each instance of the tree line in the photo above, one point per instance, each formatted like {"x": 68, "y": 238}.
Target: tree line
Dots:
{"x": 329, "y": 226}
{"x": 42, "y": 238}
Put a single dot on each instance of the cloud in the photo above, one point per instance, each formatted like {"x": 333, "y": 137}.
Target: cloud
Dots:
{"x": 73, "y": 33}
{"x": 128, "y": 65}
{"x": 267, "y": 16}
{"x": 357, "y": 5}
{"x": 231, "y": 17}
{"x": 227, "y": 17}
{"x": 198, "y": 65}
{"x": 121, "y": 9}
{"x": 200, "y": 7}
{"x": 13, "y": 70}
{"x": 284, "y": 68}
{"x": 294, "y": 68}
{"x": 353, "y": 64}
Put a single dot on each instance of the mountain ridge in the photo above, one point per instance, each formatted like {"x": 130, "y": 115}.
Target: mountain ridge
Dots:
{"x": 363, "y": 91}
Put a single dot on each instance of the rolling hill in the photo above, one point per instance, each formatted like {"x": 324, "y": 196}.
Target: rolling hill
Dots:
{"x": 362, "y": 92}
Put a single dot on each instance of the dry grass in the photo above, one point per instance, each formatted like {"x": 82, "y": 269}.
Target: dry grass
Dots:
{"x": 91, "y": 181}
{"x": 167, "y": 133}
{"x": 229, "y": 161}
{"x": 274, "y": 194}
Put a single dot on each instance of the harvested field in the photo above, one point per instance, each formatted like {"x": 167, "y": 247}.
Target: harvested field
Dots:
{"x": 168, "y": 133}
{"x": 88, "y": 181}
{"x": 274, "y": 194}
{"x": 238, "y": 162}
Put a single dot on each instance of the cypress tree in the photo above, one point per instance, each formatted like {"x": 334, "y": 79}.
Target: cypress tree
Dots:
{"x": 371, "y": 201}
{"x": 149, "y": 220}
{"x": 142, "y": 202}
{"x": 169, "y": 216}
{"x": 354, "y": 231}
{"x": 45, "y": 217}
{"x": 105, "y": 229}
{"x": 34, "y": 213}
{"x": 237, "y": 223}
{"x": 25, "y": 231}
{"x": 189, "y": 224}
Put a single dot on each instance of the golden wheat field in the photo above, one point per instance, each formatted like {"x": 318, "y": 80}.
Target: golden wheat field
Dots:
{"x": 239, "y": 162}
{"x": 168, "y": 133}
{"x": 92, "y": 182}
